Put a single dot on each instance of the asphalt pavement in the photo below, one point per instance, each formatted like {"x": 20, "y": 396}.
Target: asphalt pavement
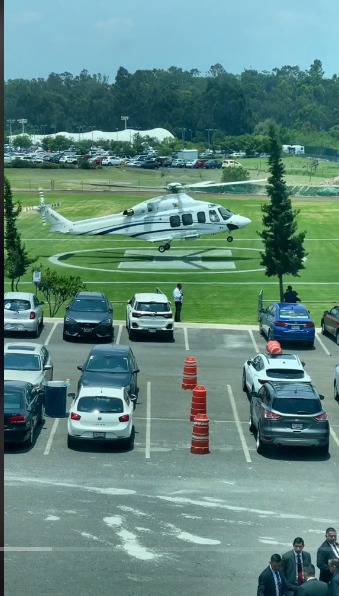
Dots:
{"x": 158, "y": 520}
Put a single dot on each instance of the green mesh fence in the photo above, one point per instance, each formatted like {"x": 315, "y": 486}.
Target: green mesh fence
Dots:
{"x": 259, "y": 189}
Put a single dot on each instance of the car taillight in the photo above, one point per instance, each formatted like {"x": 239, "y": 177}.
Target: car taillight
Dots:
{"x": 137, "y": 315}
{"x": 19, "y": 419}
{"x": 309, "y": 325}
{"x": 280, "y": 324}
{"x": 262, "y": 381}
{"x": 75, "y": 416}
{"x": 124, "y": 418}
{"x": 321, "y": 417}
{"x": 32, "y": 315}
{"x": 271, "y": 415}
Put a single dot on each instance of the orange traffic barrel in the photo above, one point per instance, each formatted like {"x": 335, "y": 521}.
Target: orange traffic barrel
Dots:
{"x": 274, "y": 347}
{"x": 199, "y": 401}
{"x": 190, "y": 379}
{"x": 200, "y": 435}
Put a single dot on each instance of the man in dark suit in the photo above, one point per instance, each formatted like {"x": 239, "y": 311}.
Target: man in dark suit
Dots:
{"x": 312, "y": 586}
{"x": 327, "y": 550}
{"x": 272, "y": 581}
{"x": 293, "y": 563}
{"x": 334, "y": 584}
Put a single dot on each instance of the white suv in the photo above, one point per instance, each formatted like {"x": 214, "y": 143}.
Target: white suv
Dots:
{"x": 273, "y": 367}
{"x": 149, "y": 313}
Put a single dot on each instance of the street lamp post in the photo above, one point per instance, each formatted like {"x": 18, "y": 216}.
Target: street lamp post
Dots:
{"x": 183, "y": 130}
{"x": 125, "y": 118}
{"x": 10, "y": 122}
{"x": 22, "y": 121}
{"x": 209, "y": 130}
{"x": 54, "y": 128}
{"x": 92, "y": 128}
{"x": 43, "y": 127}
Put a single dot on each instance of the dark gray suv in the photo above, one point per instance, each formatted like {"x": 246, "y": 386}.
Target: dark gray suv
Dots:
{"x": 90, "y": 314}
{"x": 289, "y": 414}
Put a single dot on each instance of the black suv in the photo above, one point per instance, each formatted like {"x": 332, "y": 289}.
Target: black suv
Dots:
{"x": 90, "y": 314}
{"x": 289, "y": 414}
{"x": 212, "y": 164}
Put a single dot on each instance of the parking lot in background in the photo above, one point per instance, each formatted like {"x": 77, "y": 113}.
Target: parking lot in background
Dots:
{"x": 159, "y": 520}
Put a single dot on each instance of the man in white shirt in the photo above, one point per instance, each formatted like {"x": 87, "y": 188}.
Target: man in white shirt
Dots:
{"x": 178, "y": 297}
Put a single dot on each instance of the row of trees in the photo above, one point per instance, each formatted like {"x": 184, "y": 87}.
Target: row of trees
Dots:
{"x": 190, "y": 105}
{"x": 283, "y": 247}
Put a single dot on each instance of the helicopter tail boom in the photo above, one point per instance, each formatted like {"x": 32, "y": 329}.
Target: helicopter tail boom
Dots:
{"x": 57, "y": 221}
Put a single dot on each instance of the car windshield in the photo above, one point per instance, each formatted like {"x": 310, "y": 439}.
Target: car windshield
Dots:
{"x": 153, "y": 306}
{"x": 17, "y": 305}
{"x": 107, "y": 364}
{"x": 100, "y": 404}
{"x": 293, "y": 314}
{"x": 12, "y": 399}
{"x": 22, "y": 362}
{"x": 284, "y": 373}
{"x": 84, "y": 305}
{"x": 225, "y": 213}
{"x": 296, "y": 406}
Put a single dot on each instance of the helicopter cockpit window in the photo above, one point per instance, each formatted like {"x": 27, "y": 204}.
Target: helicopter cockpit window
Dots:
{"x": 201, "y": 217}
{"x": 187, "y": 219}
{"x": 174, "y": 221}
{"x": 225, "y": 213}
{"x": 214, "y": 216}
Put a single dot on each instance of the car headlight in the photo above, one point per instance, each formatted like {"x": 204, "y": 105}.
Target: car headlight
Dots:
{"x": 106, "y": 322}
{"x": 69, "y": 320}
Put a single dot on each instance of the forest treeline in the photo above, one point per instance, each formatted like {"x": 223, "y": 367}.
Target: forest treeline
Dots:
{"x": 190, "y": 105}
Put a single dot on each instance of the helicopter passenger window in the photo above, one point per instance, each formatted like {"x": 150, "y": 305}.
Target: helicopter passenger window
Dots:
{"x": 214, "y": 216}
{"x": 225, "y": 213}
{"x": 174, "y": 221}
{"x": 187, "y": 219}
{"x": 201, "y": 217}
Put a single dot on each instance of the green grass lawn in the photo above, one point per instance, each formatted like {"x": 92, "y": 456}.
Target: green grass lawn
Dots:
{"x": 210, "y": 296}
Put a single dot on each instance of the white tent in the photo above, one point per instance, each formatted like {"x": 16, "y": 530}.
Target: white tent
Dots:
{"x": 98, "y": 135}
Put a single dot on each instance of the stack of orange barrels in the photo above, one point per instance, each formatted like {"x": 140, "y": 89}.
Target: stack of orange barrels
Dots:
{"x": 190, "y": 376}
{"x": 199, "y": 401}
{"x": 200, "y": 435}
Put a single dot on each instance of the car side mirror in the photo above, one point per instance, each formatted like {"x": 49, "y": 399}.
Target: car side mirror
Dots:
{"x": 129, "y": 301}
{"x": 322, "y": 396}
{"x": 48, "y": 367}
{"x": 136, "y": 370}
{"x": 248, "y": 362}
{"x": 71, "y": 395}
{"x": 303, "y": 364}
{"x": 252, "y": 394}
{"x": 67, "y": 307}
{"x": 41, "y": 302}
{"x": 80, "y": 367}
{"x": 132, "y": 397}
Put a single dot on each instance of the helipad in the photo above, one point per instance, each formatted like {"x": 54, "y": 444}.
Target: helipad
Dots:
{"x": 199, "y": 260}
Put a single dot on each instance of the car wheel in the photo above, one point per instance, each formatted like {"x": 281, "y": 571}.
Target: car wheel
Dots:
{"x": 41, "y": 416}
{"x": 70, "y": 442}
{"x": 130, "y": 333}
{"x": 260, "y": 330}
{"x": 251, "y": 426}
{"x": 30, "y": 440}
{"x": 310, "y": 344}
{"x": 42, "y": 323}
{"x": 170, "y": 336}
{"x": 336, "y": 393}
{"x": 323, "y": 330}
{"x": 323, "y": 450}
{"x": 36, "y": 331}
{"x": 243, "y": 383}
{"x": 260, "y": 446}
{"x": 337, "y": 338}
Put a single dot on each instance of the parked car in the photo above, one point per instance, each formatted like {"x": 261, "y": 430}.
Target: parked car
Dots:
{"x": 101, "y": 414}
{"x": 230, "y": 163}
{"x": 111, "y": 366}
{"x": 289, "y": 322}
{"x": 23, "y": 313}
{"x": 273, "y": 367}
{"x": 330, "y": 323}
{"x": 289, "y": 414}
{"x": 111, "y": 161}
{"x": 90, "y": 314}
{"x": 23, "y": 411}
{"x": 212, "y": 164}
{"x": 149, "y": 313}
{"x": 27, "y": 362}
{"x": 336, "y": 382}
{"x": 150, "y": 164}
{"x": 178, "y": 163}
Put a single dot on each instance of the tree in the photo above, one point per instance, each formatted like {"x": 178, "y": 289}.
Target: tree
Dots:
{"x": 284, "y": 249}
{"x": 58, "y": 288}
{"x": 16, "y": 260}
{"x": 22, "y": 141}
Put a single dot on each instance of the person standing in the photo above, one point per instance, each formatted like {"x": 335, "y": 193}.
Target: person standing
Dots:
{"x": 291, "y": 296}
{"x": 178, "y": 297}
{"x": 329, "y": 549}
{"x": 271, "y": 581}
{"x": 312, "y": 586}
{"x": 334, "y": 583}
{"x": 293, "y": 563}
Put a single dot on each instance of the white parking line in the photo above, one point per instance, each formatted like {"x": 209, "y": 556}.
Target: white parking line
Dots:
{"x": 334, "y": 436}
{"x": 51, "y": 436}
{"x": 117, "y": 341}
{"x": 187, "y": 347}
{"x": 238, "y": 424}
{"x": 50, "y": 334}
{"x": 323, "y": 345}
{"x": 253, "y": 341}
{"x": 148, "y": 421}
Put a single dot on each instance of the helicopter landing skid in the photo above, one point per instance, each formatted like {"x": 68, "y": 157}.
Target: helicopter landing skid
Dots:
{"x": 164, "y": 247}
{"x": 229, "y": 239}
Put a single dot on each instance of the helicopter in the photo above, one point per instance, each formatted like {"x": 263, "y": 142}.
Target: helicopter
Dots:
{"x": 161, "y": 219}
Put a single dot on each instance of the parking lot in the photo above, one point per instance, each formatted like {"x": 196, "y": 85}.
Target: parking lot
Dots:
{"x": 158, "y": 520}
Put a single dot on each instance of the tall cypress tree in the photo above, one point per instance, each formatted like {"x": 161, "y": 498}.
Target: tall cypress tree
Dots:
{"x": 283, "y": 247}
{"x": 17, "y": 260}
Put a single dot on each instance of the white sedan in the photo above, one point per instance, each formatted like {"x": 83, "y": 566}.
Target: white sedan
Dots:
{"x": 336, "y": 382}
{"x": 101, "y": 414}
{"x": 273, "y": 367}
{"x": 28, "y": 362}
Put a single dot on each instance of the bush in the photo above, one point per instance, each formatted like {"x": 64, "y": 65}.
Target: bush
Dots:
{"x": 234, "y": 174}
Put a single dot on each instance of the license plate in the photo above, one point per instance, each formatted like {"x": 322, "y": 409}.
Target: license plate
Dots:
{"x": 14, "y": 327}
{"x": 88, "y": 330}
{"x": 295, "y": 327}
{"x": 99, "y": 435}
{"x": 152, "y": 330}
{"x": 297, "y": 426}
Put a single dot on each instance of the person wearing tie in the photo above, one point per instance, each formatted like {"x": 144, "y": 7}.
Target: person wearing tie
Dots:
{"x": 327, "y": 550}
{"x": 312, "y": 586}
{"x": 271, "y": 581}
{"x": 293, "y": 563}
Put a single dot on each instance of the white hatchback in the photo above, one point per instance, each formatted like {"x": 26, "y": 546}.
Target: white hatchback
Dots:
{"x": 273, "y": 367}
{"x": 27, "y": 362}
{"x": 101, "y": 414}
{"x": 149, "y": 313}
{"x": 23, "y": 312}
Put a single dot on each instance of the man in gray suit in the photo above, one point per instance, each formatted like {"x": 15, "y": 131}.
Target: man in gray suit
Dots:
{"x": 293, "y": 563}
{"x": 312, "y": 586}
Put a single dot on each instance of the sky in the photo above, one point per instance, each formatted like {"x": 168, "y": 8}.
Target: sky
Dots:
{"x": 44, "y": 36}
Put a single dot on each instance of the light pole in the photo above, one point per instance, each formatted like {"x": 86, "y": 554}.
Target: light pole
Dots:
{"x": 22, "y": 121}
{"x": 183, "y": 130}
{"x": 43, "y": 127}
{"x": 125, "y": 118}
{"x": 54, "y": 128}
{"x": 10, "y": 121}
{"x": 92, "y": 128}
{"x": 209, "y": 130}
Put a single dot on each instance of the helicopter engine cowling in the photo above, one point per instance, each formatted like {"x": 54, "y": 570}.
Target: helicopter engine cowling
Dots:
{"x": 140, "y": 209}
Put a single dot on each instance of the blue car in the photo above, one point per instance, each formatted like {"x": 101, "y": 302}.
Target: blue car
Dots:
{"x": 289, "y": 322}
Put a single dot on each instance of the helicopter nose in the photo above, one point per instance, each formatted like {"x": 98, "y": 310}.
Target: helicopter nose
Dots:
{"x": 239, "y": 221}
